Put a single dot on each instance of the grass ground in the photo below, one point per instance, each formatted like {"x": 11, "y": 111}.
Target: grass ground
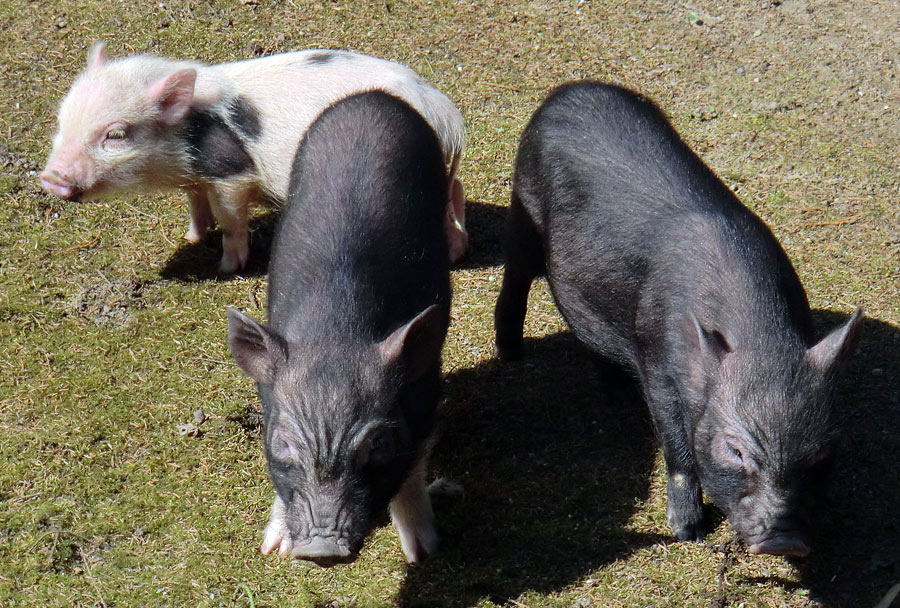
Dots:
{"x": 112, "y": 330}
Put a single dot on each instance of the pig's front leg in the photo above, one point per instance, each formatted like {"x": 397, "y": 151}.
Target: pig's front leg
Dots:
{"x": 455, "y": 222}
{"x": 276, "y": 535}
{"x": 229, "y": 203}
{"x": 411, "y": 513}
{"x": 202, "y": 220}
{"x": 684, "y": 505}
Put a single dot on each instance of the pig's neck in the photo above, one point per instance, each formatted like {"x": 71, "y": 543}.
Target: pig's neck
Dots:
{"x": 211, "y": 88}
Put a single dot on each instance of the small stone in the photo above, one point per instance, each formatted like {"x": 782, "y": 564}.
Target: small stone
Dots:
{"x": 199, "y": 416}
{"x": 189, "y": 428}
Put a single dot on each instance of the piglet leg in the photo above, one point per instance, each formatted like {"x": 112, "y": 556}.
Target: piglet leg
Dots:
{"x": 684, "y": 506}
{"x": 524, "y": 261}
{"x": 455, "y": 218}
{"x": 276, "y": 534}
{"x": 202, "y": 220}
{"x": 229, "y": 204}
{"x": 411, "y": 513}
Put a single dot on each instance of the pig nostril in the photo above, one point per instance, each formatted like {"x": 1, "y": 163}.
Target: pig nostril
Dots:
{"x": 52, "y": 175}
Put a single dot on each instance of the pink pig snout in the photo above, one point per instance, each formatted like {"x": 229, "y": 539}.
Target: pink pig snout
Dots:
{"x": 58, "y": 184}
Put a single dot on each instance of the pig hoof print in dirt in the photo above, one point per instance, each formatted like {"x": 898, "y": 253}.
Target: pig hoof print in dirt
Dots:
{"x": 656, "y": 265}
{"x": 226, "y": 134}
{"x": 348, "y": 368}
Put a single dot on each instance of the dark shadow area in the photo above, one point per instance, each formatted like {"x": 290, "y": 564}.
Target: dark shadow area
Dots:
{"x": 552, "y": 457}
{"x": 484, "y": 223}
{"x": 199, "y": 261}
{"x": 856, "y": 555}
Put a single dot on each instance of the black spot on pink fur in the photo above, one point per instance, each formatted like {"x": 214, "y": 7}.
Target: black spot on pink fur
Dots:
{"x": 215, "y": 150}
{"x": 245, "y": 117}
{"x": 323, "y": 57}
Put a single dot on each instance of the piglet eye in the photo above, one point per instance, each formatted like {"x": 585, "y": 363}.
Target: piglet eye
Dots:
{"x": 378, "y": 442}
{"x": 117, "y": 133}
{"x": 375, "y": 450}
{"x": 820, "y": 457}
{"x": 734, "y": 453}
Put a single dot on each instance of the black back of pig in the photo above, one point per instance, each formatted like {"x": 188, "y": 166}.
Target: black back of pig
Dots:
{"x": 348, "y": 369}
{"x": 656, "y": 265}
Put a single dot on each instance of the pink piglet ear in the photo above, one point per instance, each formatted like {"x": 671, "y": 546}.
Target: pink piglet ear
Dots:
{"x": 173, "y": 95}
{"x": 97, "y": 57}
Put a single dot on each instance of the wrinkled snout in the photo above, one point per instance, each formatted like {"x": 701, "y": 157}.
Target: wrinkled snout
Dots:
{"x": 323, "y": 544}
{"x": 325, "y": 551}
{"x": 786, "y": 537}
{"x": 325, "y": 548}
{"x": 54, "y": 181}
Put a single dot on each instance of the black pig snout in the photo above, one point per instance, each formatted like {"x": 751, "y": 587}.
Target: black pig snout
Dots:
{"x": 324, "y": 548}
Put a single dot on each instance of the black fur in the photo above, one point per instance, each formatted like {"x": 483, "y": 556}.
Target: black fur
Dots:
{"x": 656, "y": 265}
{"x": 245, "y": 117}
{"x": 214, "y": 149}
{"x": 323, "y": 57}
{"x": 359, "y": 251}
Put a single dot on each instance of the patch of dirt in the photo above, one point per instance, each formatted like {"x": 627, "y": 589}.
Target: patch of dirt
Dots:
{"x": 110, "y": 303}
{"x": 728, "y": 548}
{"x": 250, "y": 419}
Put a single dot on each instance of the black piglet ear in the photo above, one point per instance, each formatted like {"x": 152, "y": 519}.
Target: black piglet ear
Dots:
{"x": 712, "y": 344}
{"x": 834, "y": 349}
{"x": 417, "y": 344}
{"x": 706, "y": 350}
{"x": 256, "y": 350}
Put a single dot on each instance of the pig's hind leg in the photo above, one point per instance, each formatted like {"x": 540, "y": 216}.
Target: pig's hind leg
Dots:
{"x": 524, "y": 261}
{"x": 455, "y": 221}
{"x": 411, "y": 513}
{"x": 202, "y": 220}
{"x": 230, "y": 203}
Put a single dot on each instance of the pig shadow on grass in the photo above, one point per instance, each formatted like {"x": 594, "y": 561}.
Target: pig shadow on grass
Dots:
{"x": 194, "y": 262}
{"x": 552, "y": 456}
{"x": 857, "y": 548}
{"x": 484, "y": 223}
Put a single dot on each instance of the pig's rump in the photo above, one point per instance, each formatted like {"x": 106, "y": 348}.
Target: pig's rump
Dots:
{"x": 290, "y": 90}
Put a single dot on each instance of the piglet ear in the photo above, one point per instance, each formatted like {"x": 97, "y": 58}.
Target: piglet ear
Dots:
{"x": 417, "y": 344}
{"x": 97, "y": 57}
{"x": 834, "y": 349}
{"x": 712, "y": 345}
{"x": 257, "y": 350}
{"x": 707, "y": 349}
{"x": 173, "y": 95}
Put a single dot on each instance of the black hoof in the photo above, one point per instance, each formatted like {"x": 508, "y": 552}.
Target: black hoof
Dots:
{"x": 693, "y": 532}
